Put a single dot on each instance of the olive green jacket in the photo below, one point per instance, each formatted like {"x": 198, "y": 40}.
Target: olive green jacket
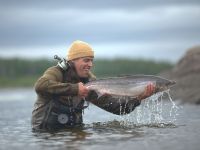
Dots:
{"x": 59, "y": 83}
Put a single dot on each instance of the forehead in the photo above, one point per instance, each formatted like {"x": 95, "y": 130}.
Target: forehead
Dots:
{"x": 83, "y": 59}
{"x": 86, "y": 58}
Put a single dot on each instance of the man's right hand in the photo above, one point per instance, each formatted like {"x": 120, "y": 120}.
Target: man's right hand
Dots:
{"x": 82, "y": 90}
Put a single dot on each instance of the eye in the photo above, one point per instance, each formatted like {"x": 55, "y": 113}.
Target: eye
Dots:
{"x": 85, "y": 60}
{"x": 88, "y": 60}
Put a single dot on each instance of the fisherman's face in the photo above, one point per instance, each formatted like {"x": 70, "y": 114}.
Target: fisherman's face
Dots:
{"x": 83, "y": 66}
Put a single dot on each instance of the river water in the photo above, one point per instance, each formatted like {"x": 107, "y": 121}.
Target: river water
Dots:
{"x": 156, "y": 124}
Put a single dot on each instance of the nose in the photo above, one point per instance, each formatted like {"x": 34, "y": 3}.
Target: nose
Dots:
{"x": 90, "y": 63}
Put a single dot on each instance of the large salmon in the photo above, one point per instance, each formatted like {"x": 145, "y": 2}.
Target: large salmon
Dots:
{"x": 132, "y": 85}
{"x": 119, "y": 93}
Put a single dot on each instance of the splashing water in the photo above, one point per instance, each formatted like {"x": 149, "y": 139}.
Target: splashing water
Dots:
{"x": 154, "y": 111}
{"x": 174, "y": 109}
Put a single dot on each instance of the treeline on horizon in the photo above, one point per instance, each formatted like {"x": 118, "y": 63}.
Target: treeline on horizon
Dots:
{"x": 16, "y": 72}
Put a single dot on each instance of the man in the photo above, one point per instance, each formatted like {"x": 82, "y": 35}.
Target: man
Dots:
{"x": 61, "y": 92}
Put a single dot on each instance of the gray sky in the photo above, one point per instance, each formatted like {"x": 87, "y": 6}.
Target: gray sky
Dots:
{"x": 152, "y": 29}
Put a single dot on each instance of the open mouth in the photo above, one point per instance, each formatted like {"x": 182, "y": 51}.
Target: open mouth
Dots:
{"x": 86, "y": 69}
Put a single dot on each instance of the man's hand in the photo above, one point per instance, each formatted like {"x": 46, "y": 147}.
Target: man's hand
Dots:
{"x": 82, "y": 90}
{"x": 150, "y": 89}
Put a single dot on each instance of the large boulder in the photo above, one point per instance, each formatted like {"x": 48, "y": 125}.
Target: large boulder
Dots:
{"x": 187, "y": 75}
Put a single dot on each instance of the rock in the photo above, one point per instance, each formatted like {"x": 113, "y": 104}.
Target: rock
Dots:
{"x": 187, "y": 75}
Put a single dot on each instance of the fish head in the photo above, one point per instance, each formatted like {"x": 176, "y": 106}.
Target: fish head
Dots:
{"x": 164, "y": 84}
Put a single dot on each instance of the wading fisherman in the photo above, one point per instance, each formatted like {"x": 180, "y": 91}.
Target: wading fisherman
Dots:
{"x": 61, "y": 93}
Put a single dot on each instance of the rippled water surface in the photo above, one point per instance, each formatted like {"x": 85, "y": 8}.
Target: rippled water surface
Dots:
{"x": 153, "y": 125}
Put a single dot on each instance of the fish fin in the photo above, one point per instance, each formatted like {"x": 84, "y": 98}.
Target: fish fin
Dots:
{"x": 99, "y": 94}
{"x": 103, "y": 94}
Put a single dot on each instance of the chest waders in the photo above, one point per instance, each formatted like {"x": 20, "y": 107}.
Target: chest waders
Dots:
{"x": 60, "y": 116}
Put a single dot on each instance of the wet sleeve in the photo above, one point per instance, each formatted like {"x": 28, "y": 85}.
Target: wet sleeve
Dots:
{"x": 51, "y": 83}
{"x": 115, "y": 105}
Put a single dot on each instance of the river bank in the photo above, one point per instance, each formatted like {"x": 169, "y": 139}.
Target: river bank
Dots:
{"x": 186, "y": 73}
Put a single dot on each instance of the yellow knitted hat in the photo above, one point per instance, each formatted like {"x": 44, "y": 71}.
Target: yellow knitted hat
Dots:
{"x": 79, "y": 49}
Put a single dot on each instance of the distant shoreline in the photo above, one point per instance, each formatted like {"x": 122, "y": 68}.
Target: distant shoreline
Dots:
{"x": 17, "y": 72}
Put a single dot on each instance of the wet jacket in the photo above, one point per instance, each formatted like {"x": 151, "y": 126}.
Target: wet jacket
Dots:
{"x": 58, "y": 88}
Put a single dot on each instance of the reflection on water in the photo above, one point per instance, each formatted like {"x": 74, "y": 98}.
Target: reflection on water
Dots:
{"x": 154, "y": 125}
{"x": 88, "y": 136}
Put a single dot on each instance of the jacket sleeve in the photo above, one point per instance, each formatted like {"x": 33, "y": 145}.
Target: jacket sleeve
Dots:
{"x": 51, "y": 83}
{"x": 118, "y": 106}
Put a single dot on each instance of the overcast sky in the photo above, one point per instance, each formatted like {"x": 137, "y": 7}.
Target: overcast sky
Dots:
{"x": 152, "y": 29}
